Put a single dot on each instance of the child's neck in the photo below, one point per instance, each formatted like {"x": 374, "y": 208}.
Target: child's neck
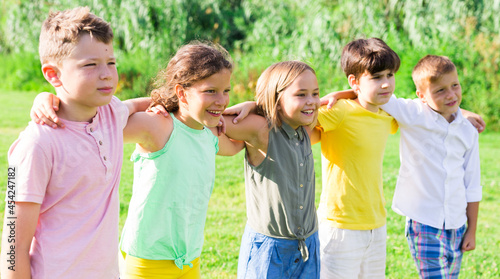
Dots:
{"x": 76, "y": 113}
{"x": 367, "y": 106}
{"x": 183, "y": 116}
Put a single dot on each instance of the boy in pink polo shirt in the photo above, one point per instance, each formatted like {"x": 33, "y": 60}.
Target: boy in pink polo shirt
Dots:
{"x": 64, "y": 208}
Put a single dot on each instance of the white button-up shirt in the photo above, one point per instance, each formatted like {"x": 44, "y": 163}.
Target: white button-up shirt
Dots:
{"x": 439, "y": 171}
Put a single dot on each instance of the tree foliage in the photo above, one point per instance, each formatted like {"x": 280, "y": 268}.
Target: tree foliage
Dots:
{"x": 261, "y": 32}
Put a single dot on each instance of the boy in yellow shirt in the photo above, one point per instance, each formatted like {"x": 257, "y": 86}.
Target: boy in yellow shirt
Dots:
{"x": 353, "y": 133}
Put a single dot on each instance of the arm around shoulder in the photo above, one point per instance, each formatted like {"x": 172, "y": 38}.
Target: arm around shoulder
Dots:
{"x": 227, "y": 146}
{"x": 253, "y": 129}
{"x": 149, "y": 130}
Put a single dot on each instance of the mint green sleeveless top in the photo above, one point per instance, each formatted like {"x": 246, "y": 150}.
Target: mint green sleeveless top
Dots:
{"x": 169, "y": 203}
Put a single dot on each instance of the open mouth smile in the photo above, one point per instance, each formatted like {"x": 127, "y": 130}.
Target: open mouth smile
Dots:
{"x": 215, "y": 113}
{"x": 308, "y": 112}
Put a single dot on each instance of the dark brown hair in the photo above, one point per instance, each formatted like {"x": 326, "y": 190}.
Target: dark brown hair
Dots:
{"x": 193, "y": 62}
{"x": 62, "y": 30}
{"x": 372, "y": 55}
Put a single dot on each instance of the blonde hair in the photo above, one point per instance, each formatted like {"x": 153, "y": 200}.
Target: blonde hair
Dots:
{"x": 271, "y": 84}
{"x": 431, "y": 68}
{"x": 191, "y": 63}
{"x": 62, "y": 30}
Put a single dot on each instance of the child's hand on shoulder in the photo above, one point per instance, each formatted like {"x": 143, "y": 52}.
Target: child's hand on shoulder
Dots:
{"x": 242, "y": 110}
{"x": 332, "y": 98}
{"x": 158, "y": 109}
{"x": 44, "y": 110}
{"x": 475, "y": 119}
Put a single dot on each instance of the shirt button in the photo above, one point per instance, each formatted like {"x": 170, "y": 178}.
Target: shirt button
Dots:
{"x": 104, "y": 157}
{"x": 91, "y": 130}
{"x": 297, "y": 144}
{"x": 301, "y": 185}
{"x": 301, "y": 164}
{"x": 100, "y": 142}
{"x": 299, "y": 228}
{"x": 301, "y": 207}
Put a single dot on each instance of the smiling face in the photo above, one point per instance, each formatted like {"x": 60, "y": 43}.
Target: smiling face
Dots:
{"x": 202, "y": 103}
{"x": 299, "y": 102}
{"x": 86, "y": 79}
{"x": 443, "y": 95}
{"x": 374, "y": 89}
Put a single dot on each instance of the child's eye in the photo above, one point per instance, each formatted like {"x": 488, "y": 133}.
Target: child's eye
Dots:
{"x": 112, "y": 63}
{"x": 227, "y": 91}
{"x": 211, "y": 91}
{"x": 316, "y": 94}
{"x": 89, "y": 65}
{"x": 390, "y": 75}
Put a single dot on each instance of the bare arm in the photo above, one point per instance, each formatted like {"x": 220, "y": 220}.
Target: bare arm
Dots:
{"x": 22, "y": 229}
{"x": 137, "y": 104}
{"x": 149, "y": 130}
{"x": 254, "y": 131}
{"x": 469, "y": 242}
{"x": 314, "y": 134}
{"x": 241, "y": 110}
{"x": 227, "y": 146}
{"x": 332, "y": 98}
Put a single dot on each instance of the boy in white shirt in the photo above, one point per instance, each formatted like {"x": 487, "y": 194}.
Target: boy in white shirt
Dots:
{"x": 438, "y": 187}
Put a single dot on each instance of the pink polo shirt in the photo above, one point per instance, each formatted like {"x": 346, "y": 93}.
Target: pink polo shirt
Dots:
{"x": 74, "y": 173}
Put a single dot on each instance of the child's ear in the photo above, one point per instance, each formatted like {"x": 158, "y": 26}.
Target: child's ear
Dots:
{"x": 421, "y": 96}
{"x": 353, "y": 82}
{"x": 51, "y": 74}
{"x": 181, "y": 93}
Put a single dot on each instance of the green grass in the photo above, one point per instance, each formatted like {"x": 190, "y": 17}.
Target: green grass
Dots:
{"x": 227, "y": 217}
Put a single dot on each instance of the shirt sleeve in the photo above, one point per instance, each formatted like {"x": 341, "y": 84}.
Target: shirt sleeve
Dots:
{"x": 122, "y": 111}
{"x": 472, "y": 176}
{"x": 403, "y": 110}
{"x": 330, "y": 119}
{"x": 394, "y": 126}
{"x": 33, "y": 169}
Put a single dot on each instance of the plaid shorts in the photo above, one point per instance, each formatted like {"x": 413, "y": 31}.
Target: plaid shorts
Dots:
{"x": 436, "y": 252}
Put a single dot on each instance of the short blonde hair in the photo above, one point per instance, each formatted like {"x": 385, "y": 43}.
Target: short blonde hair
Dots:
{"x": 62, "y": 30}
{"x": 431, "y": 68}
{"x": 271, "y": 84}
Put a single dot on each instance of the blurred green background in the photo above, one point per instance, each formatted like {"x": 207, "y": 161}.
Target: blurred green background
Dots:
{"x": 260, "y": 32}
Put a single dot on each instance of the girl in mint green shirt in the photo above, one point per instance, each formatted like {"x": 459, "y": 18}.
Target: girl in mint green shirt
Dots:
{"x": 174, "y": 164}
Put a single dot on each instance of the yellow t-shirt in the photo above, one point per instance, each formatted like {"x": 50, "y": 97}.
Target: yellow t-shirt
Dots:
{"x": 352, "y": 147}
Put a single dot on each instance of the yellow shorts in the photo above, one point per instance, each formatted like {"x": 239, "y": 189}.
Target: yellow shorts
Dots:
{"x": 150, "y": 269}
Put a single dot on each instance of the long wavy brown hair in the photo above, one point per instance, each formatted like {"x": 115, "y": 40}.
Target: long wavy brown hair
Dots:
{"x": 193, "y": 62}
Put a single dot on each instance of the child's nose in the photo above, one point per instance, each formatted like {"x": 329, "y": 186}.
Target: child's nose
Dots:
{"x": 222, "y": 99}
{"x": 106, "y": 73}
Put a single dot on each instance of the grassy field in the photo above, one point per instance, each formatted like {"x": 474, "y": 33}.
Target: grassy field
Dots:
{"x": 226, "y": 215}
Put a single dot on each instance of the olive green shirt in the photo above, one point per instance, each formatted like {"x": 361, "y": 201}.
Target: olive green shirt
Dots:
{"x": 280, "y": 192}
